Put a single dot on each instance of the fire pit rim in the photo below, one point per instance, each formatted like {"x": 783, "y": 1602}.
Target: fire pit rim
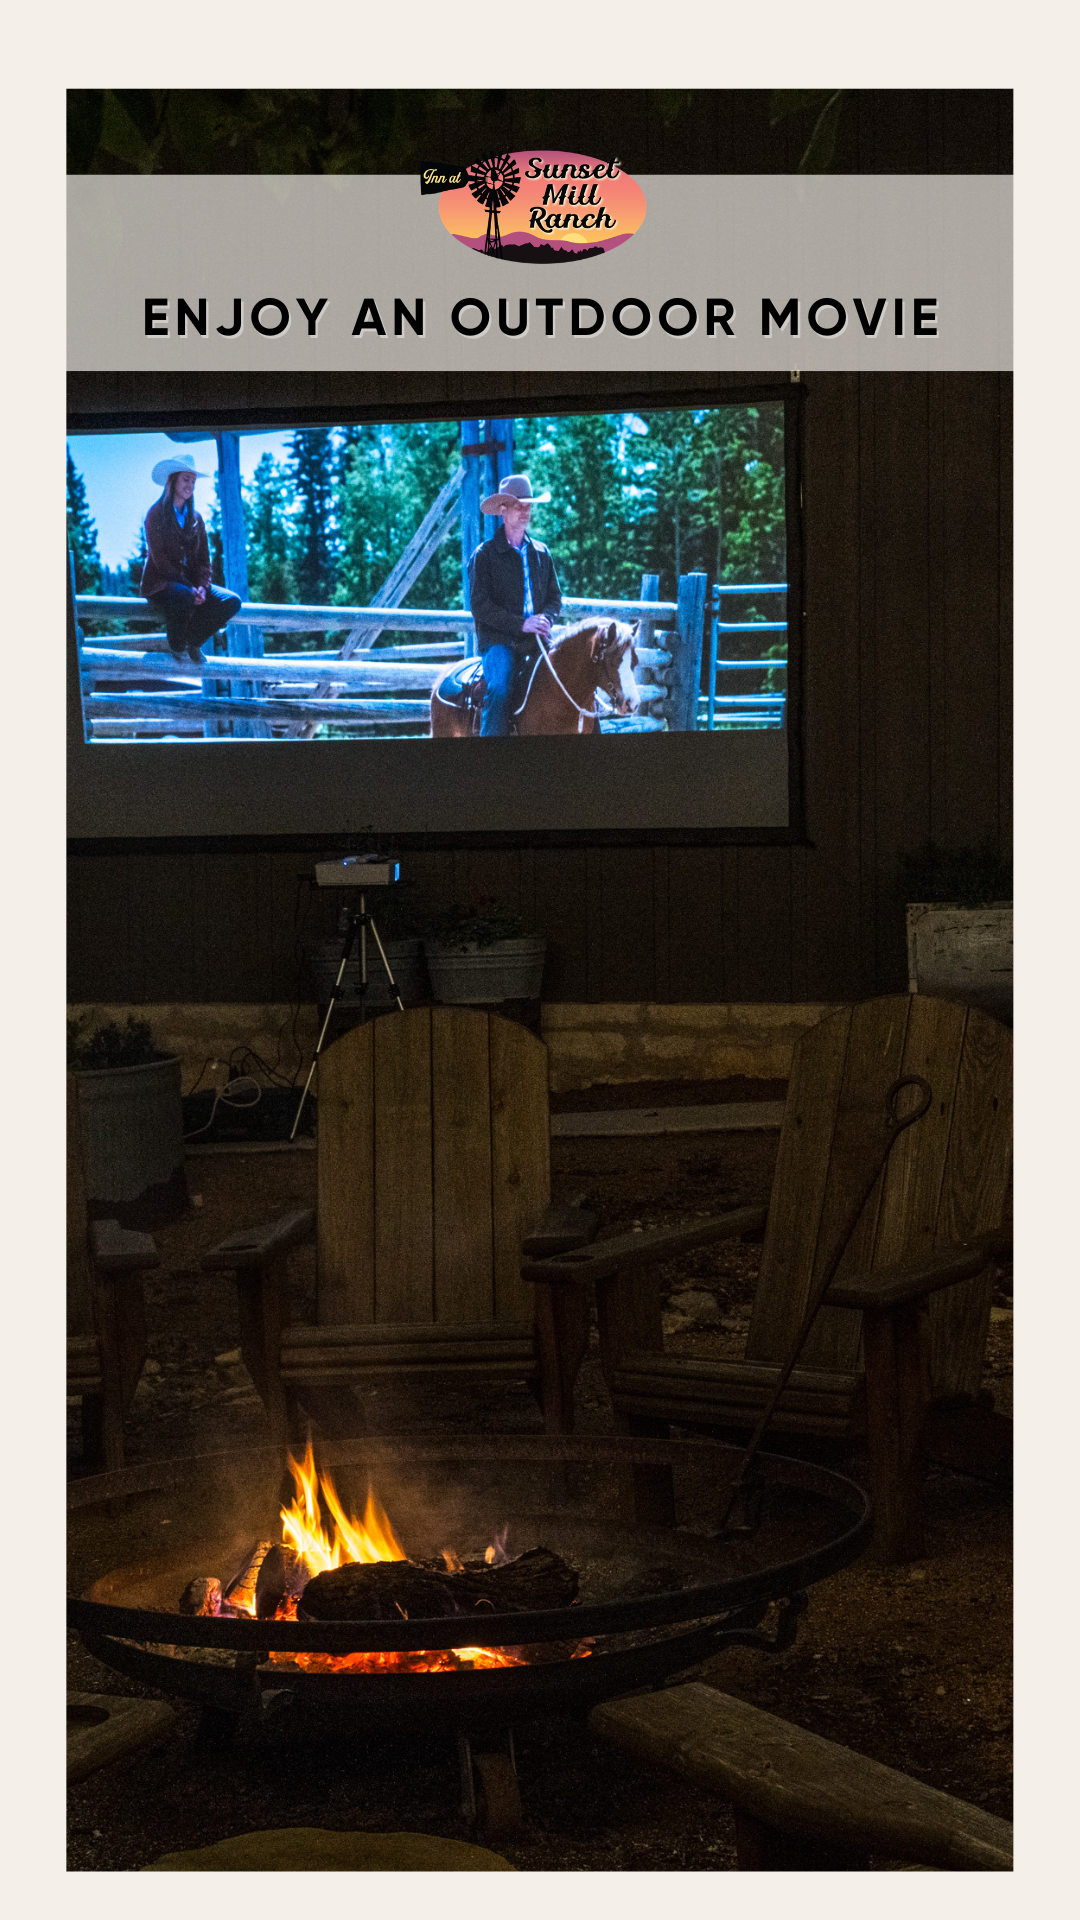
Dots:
{"x": 598, "y": 1618}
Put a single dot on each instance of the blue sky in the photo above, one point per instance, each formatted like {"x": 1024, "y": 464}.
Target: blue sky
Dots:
{"x": 116, "y": 468}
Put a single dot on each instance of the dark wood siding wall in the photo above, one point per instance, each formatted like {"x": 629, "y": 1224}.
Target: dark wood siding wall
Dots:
{"x": 906, "y": 739}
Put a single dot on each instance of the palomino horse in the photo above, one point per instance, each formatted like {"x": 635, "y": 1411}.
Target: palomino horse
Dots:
{"x": 559, "y": 695}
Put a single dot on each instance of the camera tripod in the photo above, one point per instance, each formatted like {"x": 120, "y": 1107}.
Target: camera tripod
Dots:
{"x": 350, "y": 924}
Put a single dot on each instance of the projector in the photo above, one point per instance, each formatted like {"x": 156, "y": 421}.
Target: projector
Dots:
{"x": 357, "y": 870}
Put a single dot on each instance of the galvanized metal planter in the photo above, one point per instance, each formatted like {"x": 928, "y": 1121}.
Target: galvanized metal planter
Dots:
{"x": 507, "y": 970}
{"x": 133, "y": 1140}
{"x": 962, "y": 953}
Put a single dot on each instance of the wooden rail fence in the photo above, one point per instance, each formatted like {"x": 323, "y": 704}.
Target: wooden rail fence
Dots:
{"x": 134, "y": 688}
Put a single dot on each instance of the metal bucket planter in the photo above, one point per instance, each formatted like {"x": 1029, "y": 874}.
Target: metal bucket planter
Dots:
{"x": 962, "y": 953}
{"x": 133, "y": 1142}
{"x": 407, "y": 965}
{"x": 507, "y": 970}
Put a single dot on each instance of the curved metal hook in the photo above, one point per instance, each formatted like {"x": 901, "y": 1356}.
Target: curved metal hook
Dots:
{"x": 902, "y": 1120}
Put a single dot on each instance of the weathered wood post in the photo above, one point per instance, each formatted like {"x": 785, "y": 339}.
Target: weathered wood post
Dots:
{"x": 241, "y": 641}
{"x": 472, "y": 531}
{"x": 687, "y": 640}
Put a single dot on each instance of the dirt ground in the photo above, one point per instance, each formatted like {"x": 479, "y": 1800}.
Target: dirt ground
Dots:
{"x": 909, "y": 1665}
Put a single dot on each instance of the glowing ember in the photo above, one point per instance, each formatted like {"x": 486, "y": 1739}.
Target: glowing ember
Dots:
{"x": 315, "y": 1546}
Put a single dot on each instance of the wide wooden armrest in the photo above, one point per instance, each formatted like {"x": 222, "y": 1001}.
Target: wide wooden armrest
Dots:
{"x": 254, "y": 1246}
{"x": 608, "y": 1257}
{"x": 559, "y": 1229}
{"x": 117, "y": 1249}
{"x": 912, "y": 1279}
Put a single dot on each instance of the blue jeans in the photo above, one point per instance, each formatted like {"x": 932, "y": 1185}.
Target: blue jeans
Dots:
{"x": 188, "y": 625}
{"x": 499, "y": 674}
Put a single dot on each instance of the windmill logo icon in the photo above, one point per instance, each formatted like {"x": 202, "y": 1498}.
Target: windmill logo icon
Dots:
{"x": 493, "y": 182}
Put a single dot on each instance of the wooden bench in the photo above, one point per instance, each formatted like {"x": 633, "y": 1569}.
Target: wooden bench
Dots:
{"x": 802, "y": 1802}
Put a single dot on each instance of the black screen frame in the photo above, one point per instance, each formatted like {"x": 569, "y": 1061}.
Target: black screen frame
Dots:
{"x": 107, "y": 794}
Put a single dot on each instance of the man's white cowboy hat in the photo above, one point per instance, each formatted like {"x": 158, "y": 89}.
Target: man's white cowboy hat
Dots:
{"x": 176, "y": 463}
{"x": 514, "y": 491}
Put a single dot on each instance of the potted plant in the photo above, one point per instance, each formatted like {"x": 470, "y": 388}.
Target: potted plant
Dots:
{"x": 401, "y": 926}
{"x": 132, "y": 1126}
{"x": 482, "y": 954}
{"x": 959, "y": 926}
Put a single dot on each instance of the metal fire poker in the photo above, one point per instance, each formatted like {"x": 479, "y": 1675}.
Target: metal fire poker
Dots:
{"x": 874, "y": 1147}
{"x": 355, "y": 871}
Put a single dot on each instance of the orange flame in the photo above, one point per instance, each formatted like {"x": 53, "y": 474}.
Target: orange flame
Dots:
{"x": 302, "y": 1526}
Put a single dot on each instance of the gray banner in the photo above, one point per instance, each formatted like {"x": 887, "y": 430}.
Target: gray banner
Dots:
{"x": 927, "y": 257}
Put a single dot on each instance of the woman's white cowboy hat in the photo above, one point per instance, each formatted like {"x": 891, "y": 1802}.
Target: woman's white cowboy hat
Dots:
{"x": 176, "y": 463}
{"x": 514, "y": 491}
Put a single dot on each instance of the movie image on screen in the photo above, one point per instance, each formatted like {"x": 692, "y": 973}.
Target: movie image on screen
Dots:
{"x": 574, "y": 574}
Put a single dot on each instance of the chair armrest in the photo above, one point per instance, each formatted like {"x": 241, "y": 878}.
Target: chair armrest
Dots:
{"x": 255, "y": 1246}
{"x": 913, "y": 1279}
{"x": 608, "y": 1257}
{"x": 560, "y": 1229}
{"x": 117, "y": 1249}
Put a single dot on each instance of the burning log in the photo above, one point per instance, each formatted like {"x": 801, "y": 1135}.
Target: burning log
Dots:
{"x": 202, "y": 1596}
{"x": 389, "y": 1589}
{"x": 282, "y": 1576}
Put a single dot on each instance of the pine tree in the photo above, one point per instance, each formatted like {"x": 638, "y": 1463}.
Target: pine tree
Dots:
{"x": 268, "y": 502}
{"x": 312, "y": 463}
{"x": 82, "y": 532}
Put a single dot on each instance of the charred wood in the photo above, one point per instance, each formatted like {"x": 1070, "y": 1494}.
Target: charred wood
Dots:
{"x": 388, "y": 1589}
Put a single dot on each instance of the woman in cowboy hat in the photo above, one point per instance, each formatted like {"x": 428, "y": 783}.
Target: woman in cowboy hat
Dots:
{"x": 513, "y": 592}
{"x": 176, "y": 577}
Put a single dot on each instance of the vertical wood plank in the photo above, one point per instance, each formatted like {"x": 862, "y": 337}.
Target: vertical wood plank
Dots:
{"x": 404, "y": 1290}
{"x": 346, "y": 1182}
{"x": 520, "y": 1157}
{"x": 799, "y": 1188}
{"x": 912, "y": 1183}
{"x": 973, "y": 1199}
{"x": 874, "y": 1054}
{"x": 461, "y": 1165}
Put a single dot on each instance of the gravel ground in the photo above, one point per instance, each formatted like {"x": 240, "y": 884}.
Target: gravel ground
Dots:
{"x": 909, "y": 1665}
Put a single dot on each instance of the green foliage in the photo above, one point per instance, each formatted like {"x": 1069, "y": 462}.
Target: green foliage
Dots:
{"x": 479, "y": 926}
{"x": 826, "y": 104}
{"x": 131, "y": 1045}
{"x": 271, "y": 572}
{"x": 964, "y": 876}
{"x": 644, "y": 494}
{"x": 346, "y": 130}
{"x": 312, "y": 471}
{"x": 82, "y": 533}
{"x": 390, "y": 477}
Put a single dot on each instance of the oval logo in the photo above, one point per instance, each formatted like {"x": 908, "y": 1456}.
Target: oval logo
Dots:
{"x": 542, "y": 208}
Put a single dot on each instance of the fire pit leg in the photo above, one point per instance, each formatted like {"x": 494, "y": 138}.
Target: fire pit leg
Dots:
{"x": 490, "y": 1795}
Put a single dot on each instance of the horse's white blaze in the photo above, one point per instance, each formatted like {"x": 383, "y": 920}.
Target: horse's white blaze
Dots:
{"x": 628, "y": 686}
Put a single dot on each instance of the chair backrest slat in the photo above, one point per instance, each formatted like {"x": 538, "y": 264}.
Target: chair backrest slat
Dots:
{"x": 80, "y": 1272}
{"x": 433, "y": 1166}
{"x": 945, "y": 1178}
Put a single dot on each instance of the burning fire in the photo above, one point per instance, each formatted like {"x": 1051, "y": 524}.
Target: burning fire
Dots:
{"x": 371, "y": 1539}
{"x": 318, "y": 1550}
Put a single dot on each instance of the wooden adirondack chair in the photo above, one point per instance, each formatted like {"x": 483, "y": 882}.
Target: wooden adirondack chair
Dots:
{"x": 433, "y": 1173}
{"x": 106, "y": 1312}
{"x": 905, "y": 1318}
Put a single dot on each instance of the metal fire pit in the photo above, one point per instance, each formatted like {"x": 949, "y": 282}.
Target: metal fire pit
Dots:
{"x": 653, "y": 1602}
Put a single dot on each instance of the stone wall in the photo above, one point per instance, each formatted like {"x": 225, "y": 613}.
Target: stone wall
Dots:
{"x": 589, "y": 1044}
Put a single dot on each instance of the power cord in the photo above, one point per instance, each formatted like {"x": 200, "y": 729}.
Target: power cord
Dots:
{"x": 226, "y": 1096}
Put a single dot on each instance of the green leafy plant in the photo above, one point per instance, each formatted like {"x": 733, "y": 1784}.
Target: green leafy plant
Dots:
{"x": 479, "y": 926}
{"x": 964, "y": 876}
{"x": 825, "y": 103}
{"x": 111, "y": 1045}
